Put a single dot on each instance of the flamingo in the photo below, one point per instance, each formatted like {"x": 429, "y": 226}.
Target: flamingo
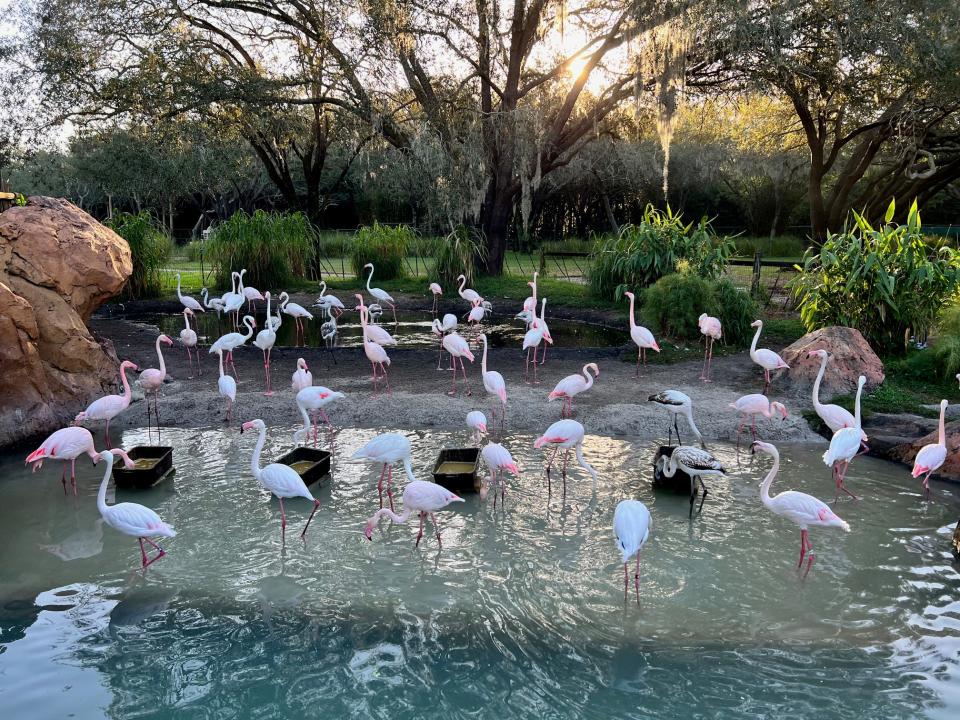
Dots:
{"x": 109, "y": 406}
{"x": 328, "y": 302}
{"x": 565, "y": 434}
{"x": 437, "y": 292}
{"x": 188, "y": 302}
{"x": 641, "y": 336}
{"x": 469, "y": 295}
{"x": 381, "y": 295}
{"x": 752, "y": 405}
{"x": 328, "y": 332}
{"x": 67, "y": 443}
{"x": 631, "y": 528}
{"x": 265, "y": 340}
{"x": 422, "y": 497}
{"x": 282, "y": 480}
{"x": 476, "y": 313}
{"x": 377, "y": 356}
{"x": 677, "y": 403}
{"x": 251, "y": 294}
{"x": 188, "y": 338}
{"x": 302, "y": 377}
{"x": 801, "y": 509}
{"x": 385, "y": 450}
{"x": 530, "y": 304}
{"x": 767, "y": 359}
{"x": 834, "y": 416}
{"x": 231, "y": 341}
{"x": 712, "y": 331}
{"x": 573, "y": 385}
{"x": 151, "y": 380}
{"x": 932, "y": 456}
{"x": 215, "y": 304}
{"x": 375, "y": 312}
{"x": 370, "y": 331}
{"x": 528, "y": 316}
{"x": 314, "y": 398}
{"x": 546, "y": 330}
{"x": 695, "y": 463}
{"x": 477, "y": 422}
{"x": 497, "y": 459}
{"x": 494, "y": 384}
{"x": 297, "y": 312}
{"x": 448, "y": 324}
{"x": 844, "y": 445}
{"x": 227, "y": 387}
{"x": 531, "y": 340}
{"x": 458, "y": 349}
{"x": 233, "y": 300}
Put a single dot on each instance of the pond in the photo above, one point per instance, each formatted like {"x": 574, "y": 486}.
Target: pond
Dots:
{"x": 520, "y": 615}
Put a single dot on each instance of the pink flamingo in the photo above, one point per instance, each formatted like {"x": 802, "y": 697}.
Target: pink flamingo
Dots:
{"x": 227, "y": 387}
{"x": 565, "y": 434}
{"x": 641, "y": 336}
{"x": 250, "y": 294}
{"x": 494, "y": 384}
{"x": 67, "y": 443}
{"x": 437, "y": 293}
{"x": 844, "y": 445}
{"x": 314, "y": 398}
{"x": 932, "y": 456}
{"x": 298, "y": 313}
{"x": 109, "y": 406}
{"x": 420, "y": 496}
{"x": 767, "y": 359}
{"x": 802, "y": 509}
{"x": 151, "y": 380}
{"x": 712, "y": 331}
{"x": 265, "y": 340}
{"x": 631, "y": 528}
{"x": 302, "y": 377}
{"x": 131, "y": 518}
{"x": 231, "y": 341}
{"x": 385, "y": 450}
{"x": 373, "y": 332}
{"x": 377, "y": 356}
{"x": 458, "y": 349}
{"x": 752, "y": 405}
{"x": 497, "y": 459}
{"x": 571, "y": 386}
{"x": 380, "y": 295}
{"x": 282, "y": 480}
{"x": 188, "y": 302}
{"x": 471, "y": 296}
{"x": 530, "y": 304}
{"x": 440, "y": 328}
{"x": 477, "y": 422}
{"x": 547, "y": 337}
{"x": 531, "y": 341}
{"x": 476, "y": 313}
{"x": 188, "y": 338}
{"x": 834, "y": 416}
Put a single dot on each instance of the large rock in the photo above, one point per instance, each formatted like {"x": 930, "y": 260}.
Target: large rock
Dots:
{"x": 951, "y": 467}
{"x": 850, "y": 357}
{"x": 57, "y": 265}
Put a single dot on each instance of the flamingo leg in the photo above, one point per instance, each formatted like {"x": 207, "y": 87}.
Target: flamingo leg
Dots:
{"x": 316, "y": 504}
{"x": 636, "y": 373}
{"x": 803, "y": 547}
{"x": 107, "y": 433}
{"x": 706, "y": 353}
{"x": 677, "y": 428}
{"x": 693, "y": 493}
{"x": 543, "y": 358}
{"x": 626, "y": 582}
{"x": 563, "y": 473}
{"x": 420, "y": 534}
{"x": 283, "y": 523}
{"x": 143, "y": 554}
{"x": 841, "y": 476}
{"x": 766, "y": 381}
{"x": 739, "y": 431}
{"x": 710, "y": 361}
{"x": 394, "y": 308}
{"x": 536, "y": 380}
{"x": 386, "y": 378}
{"x": 644, "y": 351}
{"x": 466, "y": 382}
{"x": 636, "y": 578}
{"x": 436, "y": 527}
{"x": 63, "y": 479}
{"x": 160, "y": 551}
{"x": 380, "y": 484}
{"x": 374, "y": 367}
{"x": 390, "y": 485}
{"x": 440, "y": 355}
{"x": 753, "y": 426}
{"x": 702, "y": 497}
{"x": 73, "y": 475}
{"x": 453, "y": 390}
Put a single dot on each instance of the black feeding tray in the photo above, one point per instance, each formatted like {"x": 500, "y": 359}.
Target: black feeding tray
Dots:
{"x": 464, "y": 480}
{"x": 955, "y": 543}
{"x": 678, "y": 483}
{"x": 146, "y": 477}
{"x": 311, "y": 463}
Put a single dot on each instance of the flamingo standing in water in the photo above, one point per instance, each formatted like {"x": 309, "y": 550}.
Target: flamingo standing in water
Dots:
{"x": 381, "y": 296}
{"x": 188, "y": 302}
{"x": 471, "y": 296}
{"x": 477, "y": 422}
{"x": 151, "y": 381}
{"x": 695, "y": 463}
{"x": 494, "y": 384}
{"x": 233, "y": 300}
{"x": 329, "y": 302}
{"x": 302, "y": 377}
{"x": 547, "y": 337}
{"x": 641, "y": 336}
{"x": 437, "y": 292}
{"x": 298, "y": 313}
{"x": 231, "y": 341}
{"x": 530, "y": 304}
{"x": 767, "y": 359}
{"x": 109, "y": 406}
{"x": 844, "y": 445}
{"x": 458, "y": 349}
{"x": 801, "y": 509}
{"x": 265, "y": 340}
{"x": 498, "y": 459}
{"x": 213, "y": 303}
{"x": 420, "y": 496}
{"x": 250, "y": 294}
{"x": 129, "y": 518}
{"x": 749, "y": 406}
{"x": 476, "y": 314}
{"x": 372, "y": 332}
{"x": 188, "y": 338}
{"x": 314, "y": 398}
{"x": 227, "y": 387}
{"x": 328, "y": 332}
{"x": 565, "y": 434}
{"x": 440, "y": 328}
{"x": 712, "y": 331}
{"x": 531, "y": 341}
{"x": 931, "y": 457}
{"x": 631, "y": 529}
{"x": 282, "y": 480}
{"x": 677, "y": 403}
{"x": 385, "y": 450}
{"x": 67, "y": 443}
{"x": 834, "y": 416}
{"x": 571, "y": 386}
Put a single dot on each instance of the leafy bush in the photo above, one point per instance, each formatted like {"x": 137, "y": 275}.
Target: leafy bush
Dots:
{"x": 641, "y": 254}
{"x": 885, "y": 282}
{"x": 334, "y": 243}
{"x": 673, "y": 304}
{"x": 383, "y": 245}
{"x": 457, "y": 254}
{"x": 783, "y": 246}
{"x": 194, "y": 251}
{"x": 275, "y": 248}
{"x": 946, "y": 348}
{"x": 150, "y": 249}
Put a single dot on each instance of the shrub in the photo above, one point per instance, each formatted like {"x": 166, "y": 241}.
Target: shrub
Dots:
{"x": 334, "y": 243}
{"x": 886, "y": 282}
{"x": 946, "y": 348}
{"x": 383, "y": 245}
{"x": 275, "y": 248}
{"x": 457, "y": 254}
{"x": 641, "y": 254}
{"x": 784, "y": 246}
{"x": 194, "y": 250}
{"x": 150, "y": 249}
{"x": 735, "y": 310}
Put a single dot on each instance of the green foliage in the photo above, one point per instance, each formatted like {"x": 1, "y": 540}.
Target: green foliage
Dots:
{"x": 673, "y": 304}
{"x": 150, "y": 250}
{"x": 782, "y": 246}
{"x": 457, "y": 254}
{"x": 735, "y": 310}
{"x": 334, "y": 243}
{"x": 385, "y": 246}
{"x": 946, "y": 348}
{"x": 194, "y": 250}
{"x": 641, "y": 254}
{"x": 275, "y": 248}
{"x": 885, "y": 282}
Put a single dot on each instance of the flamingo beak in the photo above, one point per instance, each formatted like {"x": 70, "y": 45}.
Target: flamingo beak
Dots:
{"x": 368, "y": 532}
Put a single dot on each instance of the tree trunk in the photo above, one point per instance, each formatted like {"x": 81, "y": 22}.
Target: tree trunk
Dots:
{"x": 818, "y": 214}
{"x": 496, "y": 216}
{"x": 608, "y": 210}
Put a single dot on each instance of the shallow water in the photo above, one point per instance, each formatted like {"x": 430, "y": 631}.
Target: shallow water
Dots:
{"x": 413, "y": 330}
{"x": 521, "y": 614}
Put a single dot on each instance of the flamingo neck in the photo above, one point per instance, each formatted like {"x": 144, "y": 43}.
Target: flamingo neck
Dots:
{"x": 535, "y": 288}
{"x": 369, "y": 278}
{"x": 127, "y": 394}
{"x": 163, "y": 367}
{"x": 221, "y": 362}
{"x": 588, "y": 376}
{"x": 408, "y": 469}
{"x": 249, "y": 329}
{"x": 323, "y": 288}
{"x": 633, "y": 322}
{"x": 756, "y": 337}
{"x": 255, "y": 458}
{"x": 240, "y": 282}
{"x": 688, "y": 414}
{"x": 768, "y": 480}
{"x": 233, "y": 282}
{"x": 483, "y": 360}
{"x": 856, "y": 407}
{"x": 388, "y": 513}
{"x": 463, "y": 284}
{"x": 305, "y": 416}
{"x": 816, "y": 383}
{"x": 178, "y": 284}
{"x": 102, "y": 492}
{"x": 941, "y": 439}
{"x": 268, "y": 309}
{"x": 584, "y": 464}
{"x": 543, "y": 309}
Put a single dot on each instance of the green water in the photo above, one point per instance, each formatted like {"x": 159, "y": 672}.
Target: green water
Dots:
{"x": 520, "y": 615}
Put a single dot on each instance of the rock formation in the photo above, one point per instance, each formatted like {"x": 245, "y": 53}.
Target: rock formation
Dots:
{"x": 850, "y": 357}
{"x": 57, "y": 265}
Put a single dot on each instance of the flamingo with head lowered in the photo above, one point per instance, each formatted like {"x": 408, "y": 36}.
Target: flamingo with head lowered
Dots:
{"x": 422, "y": 497}
{"x": 109, "y": 406}
{"x": 695, "y": 463}
{"x": 227, "y": 387}
{"x": 314, "y": 398}
{"x": 573, "y": 385}
{"x": 497, "y": 459}
{"x": 477, "y": 422}
{"x": 68, "y": 443}
{"x": 385, "y": 450}
{"x": 641, "y": 336}
{"x": 767, "y": 359}
{"x": 931, "y": 457}
{"x": 677, "y": 403}
{"x": 712, "y": 331}
{"x": 382, "y": 296}
{"x": 440, "y": 328}
{"x": 564, "y": 435}
{"x": 749, "y": 406}
{"x": 188, "y": 338}
{"x": 531, "y": 341}
{"x": 631, "y": 529}
{"x": 458, "y": 348}
{"x": 437, "y": 292}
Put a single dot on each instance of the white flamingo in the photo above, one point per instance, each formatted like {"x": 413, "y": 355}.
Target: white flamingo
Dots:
{"x": 695, "y": 463}
{"x": 531, "y": 341}
{"x": 573, "y": 385}
{"x": 440, "y": 328}
{"x": 477, "y": 422}
{"x": 302, "y": 377}
{"x": 677, "y": 403}
{"x": 458, "y": 348}
{"x": 265, "y": 340}
{"x": 231, "y": 341}
{"x": 767, "y": 359}
{"x": 471, "y": 296}
{"x": 377, "y": 357}
{"x": 494, "y": 384}
{"x": 497, "y": 459}
{"x": 641, "y": 336}
{"x": 749, "y": 406}
{"x": 631, "y": 528}
{"x": 530, "y": 304}
{"x": 370, "y": 331}
{"x": 844, "y": 445}
{"x": 109, "y": 406}
{"x": 314, "y": 399}
{"x": 328, "y": 302}
{"x": 188, "y": 338}
{"x": 380, "y": 295}
{"x": 227, "y": 387}
{"x": 547, "y": 337}
{"x": 420, "y": 496}
{"x": 297, "y": 312}
{"x": 188, "y": 302}
{"x": 385, "y": 450}
{"x": 437, "y": 292}
{"x": 931, "y": 457}
{"x": 833, "y": 416}
{"x": 712, "y": 330}
{"x": 564, "y": 435}
{"x": 250, "y": 294}
{"x": 233, "y": 300}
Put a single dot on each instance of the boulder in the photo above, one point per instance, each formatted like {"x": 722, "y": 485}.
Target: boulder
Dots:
{"x": 850, "y": 357}
{"x": 57, "y": 265}
{"x": 950, "y": 469}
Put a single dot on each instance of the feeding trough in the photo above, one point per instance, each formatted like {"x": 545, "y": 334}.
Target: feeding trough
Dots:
{"x": 152, "y": 464}
{"x": 679, "y": 483}
{"x": 310, "y": 464}
{"x": 456, "y": 469}
{"x": 955, "y": 544}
